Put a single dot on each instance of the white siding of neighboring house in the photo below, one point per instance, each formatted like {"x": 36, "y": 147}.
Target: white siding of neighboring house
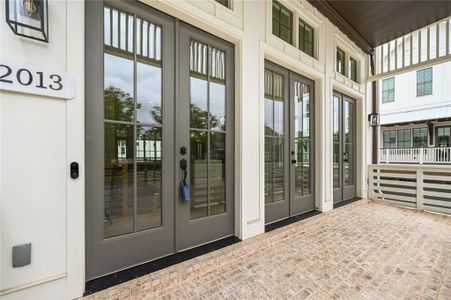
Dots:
{"x": 408, "y": 107}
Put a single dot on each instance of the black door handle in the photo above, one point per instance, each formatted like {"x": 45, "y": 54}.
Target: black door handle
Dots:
{"x": 183, "y": 164}
{"x": 293, "y": 161}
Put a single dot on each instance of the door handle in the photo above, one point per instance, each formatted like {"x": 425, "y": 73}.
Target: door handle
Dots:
{"x": 183, "y": 164}
{"x": 345, "y": 157}
{"x": 293, "y": 161}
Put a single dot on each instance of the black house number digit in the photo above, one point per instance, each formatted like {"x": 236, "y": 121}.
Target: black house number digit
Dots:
{"x": 26, "y": 77}
{"x": 56, "y": 81}
{"x": 6, "y": 74}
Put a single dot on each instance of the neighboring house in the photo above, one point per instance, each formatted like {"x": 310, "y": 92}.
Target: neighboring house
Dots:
{"x": 416, "y": 110}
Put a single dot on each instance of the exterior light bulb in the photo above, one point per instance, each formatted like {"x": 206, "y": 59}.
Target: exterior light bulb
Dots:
{"x": 29, "y": 6}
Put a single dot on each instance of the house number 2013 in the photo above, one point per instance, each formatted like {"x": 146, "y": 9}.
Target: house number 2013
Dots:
{"x": 35, "y": 80}
{"x": 25, "y": 77}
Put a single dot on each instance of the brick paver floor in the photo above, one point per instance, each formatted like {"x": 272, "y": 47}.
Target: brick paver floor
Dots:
{"x": 364, "y": 250}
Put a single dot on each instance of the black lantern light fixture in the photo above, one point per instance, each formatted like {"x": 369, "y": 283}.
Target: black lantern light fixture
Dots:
{"x": 373, "y": 119}
{"x": 28, "y": 18}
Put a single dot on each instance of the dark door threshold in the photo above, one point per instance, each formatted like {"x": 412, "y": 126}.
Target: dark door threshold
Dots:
{"x": 291, "y": 220}
{"x": 346, "y": 202}
{"x": 110, "y": 280}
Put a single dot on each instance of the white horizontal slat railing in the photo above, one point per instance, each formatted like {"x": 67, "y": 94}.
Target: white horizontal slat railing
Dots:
{"x": 432, "y": 155}
{"x": 423, "y": 187}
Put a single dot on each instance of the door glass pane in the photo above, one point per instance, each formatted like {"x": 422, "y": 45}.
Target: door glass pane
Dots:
{"x": 217, "y": 106}
{"x": 336, "y": 142}
{"x": 199, "y": 174}
{"x": 306, "y": 136}
{"x": 278, "y": 169}
{"x": 269, "y": 117}
{"x": 269, "y": 163}
{"x": 349, "y": 146}
{"x": 148, "y": 177}
{"x": 306, "y": 166}
{"x": 298, "y": 172}
{"x": 198, "y": 106}
{"x": 298, "y": 120}
{"x": 278, "y": 105}
{"x": 148, "y": 85}
{"x": 217, "y": 173}
{"x": 302, "y": 138}
{"x": 118, "y": 94}
{"x": 118, "y": 185}
{"x": 208, "y": 142}
{"x": 132, "y": 206}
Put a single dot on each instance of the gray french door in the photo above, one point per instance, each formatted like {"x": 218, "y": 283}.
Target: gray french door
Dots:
{"x": 206, "y": 131}
{"x": 289, "y": 143}
{"x": 344, "y": 147}
{"x": 154, "y": 85}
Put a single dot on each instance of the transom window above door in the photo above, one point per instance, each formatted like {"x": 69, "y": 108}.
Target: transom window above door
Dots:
{"x": 306, "y": 38}
{"x": 282, "y": 22}
{"x": 340, "y": 61}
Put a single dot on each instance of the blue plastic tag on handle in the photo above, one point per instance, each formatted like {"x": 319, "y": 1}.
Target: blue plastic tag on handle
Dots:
{"x": 186, "y": 196}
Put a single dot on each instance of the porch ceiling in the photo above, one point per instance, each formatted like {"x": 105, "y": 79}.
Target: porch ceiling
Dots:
{"x": 372, "y": 23}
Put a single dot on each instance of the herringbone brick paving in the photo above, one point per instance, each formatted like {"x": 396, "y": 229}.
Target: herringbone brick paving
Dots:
{"x": 364, "y": 250}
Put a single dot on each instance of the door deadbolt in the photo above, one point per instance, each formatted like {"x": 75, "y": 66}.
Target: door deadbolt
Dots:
{"x": 183, "y": 150}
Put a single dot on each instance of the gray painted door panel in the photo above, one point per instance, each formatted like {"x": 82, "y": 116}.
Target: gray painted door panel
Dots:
{"x": 107, "y": 253}
{"x": 345, "y": 147}
{"x": 298, "y": 155}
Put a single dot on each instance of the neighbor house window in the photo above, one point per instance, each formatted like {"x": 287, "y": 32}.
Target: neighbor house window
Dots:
{"x": 353, "y": 69}
{"x": 388, "y": 90}
{"x": 306, "y": 38}
{"x": 226, "y": 3}
{"x": 444, "y": 136}
{"x": 424, "y": 82}
{"x": 390, "y": 139}
{"x": 282, "y": 22}
{"x": 420, "y": 137}
{"x": 404, "y": 138}
{"x": 340, "y": 61}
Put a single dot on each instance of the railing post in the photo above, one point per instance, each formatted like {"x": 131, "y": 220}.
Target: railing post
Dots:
{"x": 420, "y": 189}
{"x": 388, "y": 155}
{"x": 370, "y": 182}
{"x": 421, "y": 156}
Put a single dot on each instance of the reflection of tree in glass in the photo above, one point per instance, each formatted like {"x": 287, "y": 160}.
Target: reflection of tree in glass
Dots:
{"x": 119, "y": 105}
{"x": 156, "y": 114}
{"x": 199, "y": 120}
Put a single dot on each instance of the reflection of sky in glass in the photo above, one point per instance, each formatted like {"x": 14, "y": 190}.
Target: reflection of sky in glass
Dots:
{"x": 306, "y": 113}
{"x": 297, "y": 116}
{"x": 217, "y": 104}
{"x": 274, "y": 116}
{"x": 346, "y": 117}
{"x": 148, "y": 91}
{"x": 198, "y": 93}
{"x": 268, "y": 114}
{"x": 119, "y": 73}
{"x": 278, "y": 117}
{"x": 336, "y": 115}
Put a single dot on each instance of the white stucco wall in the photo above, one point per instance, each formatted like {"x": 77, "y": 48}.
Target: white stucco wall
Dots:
{"x": 48, "y": 209}
{"x": 39, "y": 138}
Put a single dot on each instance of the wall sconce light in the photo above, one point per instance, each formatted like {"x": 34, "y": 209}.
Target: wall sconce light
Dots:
{"x": 374, "y": 120}
{"x": 28, "y": 18}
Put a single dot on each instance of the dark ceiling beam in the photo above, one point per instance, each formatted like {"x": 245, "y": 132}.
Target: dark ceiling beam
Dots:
{"x": 329, "y": 12}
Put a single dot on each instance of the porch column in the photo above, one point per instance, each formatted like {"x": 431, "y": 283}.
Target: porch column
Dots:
{"x": 250, "y": 118}
{"x": 375, "y": 110}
